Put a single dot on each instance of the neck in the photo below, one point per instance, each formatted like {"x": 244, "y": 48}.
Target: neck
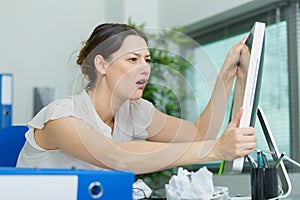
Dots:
{"x": 105, "y": 104}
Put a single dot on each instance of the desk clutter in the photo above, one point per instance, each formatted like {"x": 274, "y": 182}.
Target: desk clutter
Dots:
{"x": 185, "y": 185}
{"x": 264, "y": 177}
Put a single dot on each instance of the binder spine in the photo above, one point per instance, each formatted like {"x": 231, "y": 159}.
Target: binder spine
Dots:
{"x": 6, "y": 97}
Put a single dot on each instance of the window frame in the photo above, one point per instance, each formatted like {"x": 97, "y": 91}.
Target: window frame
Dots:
{"x": 239, "y": 20}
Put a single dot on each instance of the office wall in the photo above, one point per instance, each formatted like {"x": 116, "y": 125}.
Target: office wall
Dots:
{"x": 180, "y": 13}
{"x": 38, "y": 38}
{"x": 175, "y": 13}
{"x": 143, "y": 11}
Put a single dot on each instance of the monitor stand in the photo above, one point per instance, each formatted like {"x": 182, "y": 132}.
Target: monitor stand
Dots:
{"x": 236, "y": 166}
{"x": 286, "y": 185}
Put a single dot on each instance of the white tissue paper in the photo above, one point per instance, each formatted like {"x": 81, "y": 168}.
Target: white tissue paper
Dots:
{"x": 191, "y": 185}
{"x": 140, "y": 190}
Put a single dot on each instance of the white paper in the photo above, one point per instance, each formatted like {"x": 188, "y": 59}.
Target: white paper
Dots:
{"x": 141, "y": 190}
{"x": 190, "y": 185}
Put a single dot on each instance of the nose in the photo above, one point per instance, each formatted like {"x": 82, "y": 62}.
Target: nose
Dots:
{"x": 146, "y": 68}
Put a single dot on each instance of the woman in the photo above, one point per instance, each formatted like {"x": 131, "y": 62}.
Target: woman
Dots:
{"x": 109, "y": 126}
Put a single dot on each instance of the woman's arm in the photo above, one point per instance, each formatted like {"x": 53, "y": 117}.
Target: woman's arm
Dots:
{"x": 78, "y": 139}
{"x": 166, "y": 128}
{"x": 210, "y": 121}
{"x": 241, "y": 79}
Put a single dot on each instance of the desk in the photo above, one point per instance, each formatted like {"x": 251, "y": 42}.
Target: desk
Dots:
{"x": 239, "y": 185}
{"x": 291, "y": 197}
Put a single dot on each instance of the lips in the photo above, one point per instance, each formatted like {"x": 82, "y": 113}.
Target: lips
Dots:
{"x": 141, "y": 83}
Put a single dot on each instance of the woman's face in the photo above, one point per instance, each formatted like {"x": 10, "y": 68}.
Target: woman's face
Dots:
{"x": 129, "y": 69}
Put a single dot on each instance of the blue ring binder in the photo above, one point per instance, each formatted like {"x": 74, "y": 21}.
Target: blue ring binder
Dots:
{"x": 6, "y": 96}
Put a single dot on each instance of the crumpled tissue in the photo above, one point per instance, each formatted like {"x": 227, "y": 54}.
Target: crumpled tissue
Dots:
{"x": 141, "y": 190}
{"x": 190, "y": 185}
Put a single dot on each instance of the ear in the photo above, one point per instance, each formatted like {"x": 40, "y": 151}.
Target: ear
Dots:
{"x": 99, "y": 64}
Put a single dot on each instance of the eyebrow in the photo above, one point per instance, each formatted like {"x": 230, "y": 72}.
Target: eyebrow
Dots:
{"x": 138, "y": 54}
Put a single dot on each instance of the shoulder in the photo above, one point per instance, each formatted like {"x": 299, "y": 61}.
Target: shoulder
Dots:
{"x": 64, "y": 107}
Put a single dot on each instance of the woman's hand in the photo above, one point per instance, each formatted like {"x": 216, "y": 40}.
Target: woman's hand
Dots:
{"x": 241, "y": 79}
{"x": 243, "y": 66}
{"x": 237, "y": 60}
{"x": 231, "y": 63}
{"x": 235, "y": 142}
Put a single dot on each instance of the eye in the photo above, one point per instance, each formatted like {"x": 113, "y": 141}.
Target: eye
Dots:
{"x": 132, "y": 59}
{"x": 148, "y": 60}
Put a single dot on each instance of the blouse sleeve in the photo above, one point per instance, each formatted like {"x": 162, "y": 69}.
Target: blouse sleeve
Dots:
{"x": 58, "y": 109}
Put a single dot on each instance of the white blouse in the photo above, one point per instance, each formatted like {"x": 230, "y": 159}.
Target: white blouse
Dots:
{"x": 131, "y": 122}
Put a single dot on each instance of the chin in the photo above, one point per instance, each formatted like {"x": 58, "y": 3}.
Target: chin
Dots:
{"x": 137, "y": 95}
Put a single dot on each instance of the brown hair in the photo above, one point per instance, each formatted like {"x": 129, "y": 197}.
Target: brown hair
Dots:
{"x": 108, "y": 38}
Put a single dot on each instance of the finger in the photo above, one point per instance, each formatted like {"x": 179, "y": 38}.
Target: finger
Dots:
{"x": 238, "y": 48}
{"x": 247, "y": 143}
{"x": 234, "y": 123}
{"x": 246, "y": 152}
{"x": 248, "y": 131}
{"x": 243, "y": 41}
{"x": 250, "y": 145}
{"x": 250, "y": 140}
{"x": 247, "y": 139}
{"x": 245, "y": 48}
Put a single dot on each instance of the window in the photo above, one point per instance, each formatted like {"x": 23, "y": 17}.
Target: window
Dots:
{"x": 279, "y": 92}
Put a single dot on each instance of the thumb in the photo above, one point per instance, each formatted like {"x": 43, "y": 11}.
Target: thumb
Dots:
{"x": 234, "y": 123}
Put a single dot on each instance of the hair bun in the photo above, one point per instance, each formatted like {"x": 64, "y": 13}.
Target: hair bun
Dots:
{"x": 82, "y": 55}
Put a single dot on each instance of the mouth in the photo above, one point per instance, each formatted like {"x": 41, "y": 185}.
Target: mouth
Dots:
{"x": 141, "y": 83}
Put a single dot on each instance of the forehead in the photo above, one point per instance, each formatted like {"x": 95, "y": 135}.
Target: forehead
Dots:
{"x": 132, "y": 43}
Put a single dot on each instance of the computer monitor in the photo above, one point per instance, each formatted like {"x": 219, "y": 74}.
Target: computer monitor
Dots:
{"x": 255, "y": 43}
{"x": 250, "y": 100}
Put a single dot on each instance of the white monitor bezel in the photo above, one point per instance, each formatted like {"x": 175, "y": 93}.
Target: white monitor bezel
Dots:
{"x": 251, "y": 95}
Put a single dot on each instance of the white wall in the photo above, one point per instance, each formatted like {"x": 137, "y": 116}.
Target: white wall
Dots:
{"x": 179, "y": 13}
{"x": 37, "y": 40}
{"x": 142, "y": 11}
{"x": 38, "y": 37}
{"x": 174, "y": 13}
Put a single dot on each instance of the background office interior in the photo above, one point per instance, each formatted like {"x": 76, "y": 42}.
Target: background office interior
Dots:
{"x": 40, "y": 41}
